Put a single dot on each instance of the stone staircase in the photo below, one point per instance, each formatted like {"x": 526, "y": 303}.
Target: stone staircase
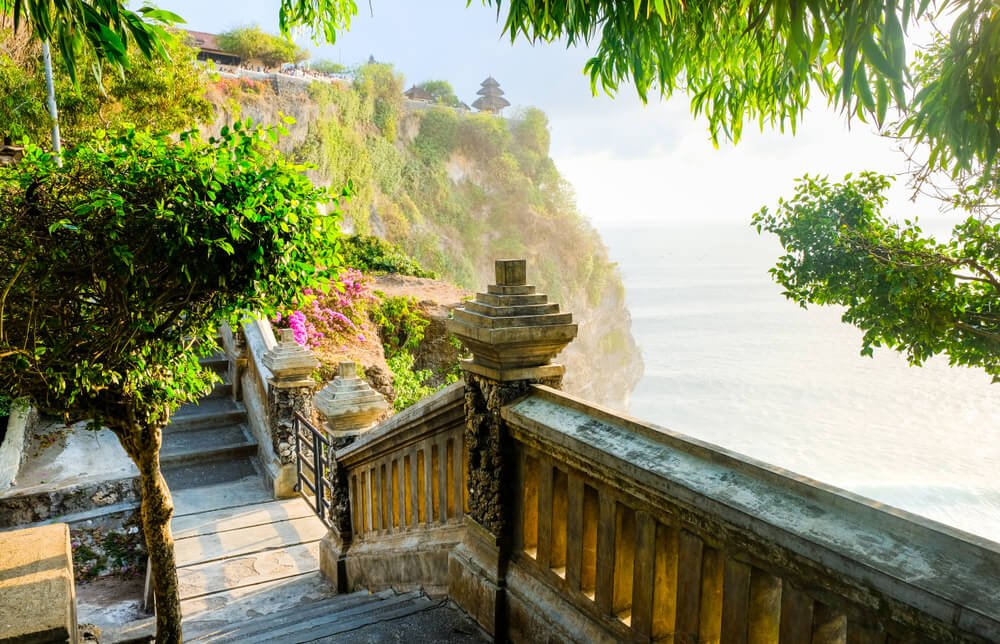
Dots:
{"x": 209, "y": 443}
{"x": 248, "y": 565}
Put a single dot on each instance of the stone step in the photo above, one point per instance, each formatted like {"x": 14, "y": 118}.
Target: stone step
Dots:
{"x": 245, "y": 541}
{"x": 209, "y": 412}
{"x": 335, "y": 603}
{"x": 222, "y": 389}
{"x": 322, "y": 621}
{"x": 117, "y": 512}
{"x": 224, "y": 468}
{"x": 226, "y": 611}
{"x": 217, "y": 362}
{"x": 235, "y": 518}
{"x": 245, "y": 489}
{"x": 198, "y": 580}
{"x": 209, "y": 443}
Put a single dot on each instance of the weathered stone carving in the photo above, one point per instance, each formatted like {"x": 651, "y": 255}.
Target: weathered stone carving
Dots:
{"x": 489, "y": 472}
{"x": 290, "y": 390}
{"x": 513, "y": 334}
{"x": 340, "y": 499}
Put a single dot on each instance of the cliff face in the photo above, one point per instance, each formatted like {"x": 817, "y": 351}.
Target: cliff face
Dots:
{"x": 457, "y": 191}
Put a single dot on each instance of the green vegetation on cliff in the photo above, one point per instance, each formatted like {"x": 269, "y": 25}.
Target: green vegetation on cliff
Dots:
{"x": 457, "y": 190}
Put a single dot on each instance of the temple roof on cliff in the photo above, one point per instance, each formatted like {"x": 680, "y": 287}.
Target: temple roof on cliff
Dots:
{"x": 491, "y": 97}
{"x": 418, "y": 94}
{"x": 208, "y": 48}
{"x": 490, "y": 87}
{"x": 490, "y": 103}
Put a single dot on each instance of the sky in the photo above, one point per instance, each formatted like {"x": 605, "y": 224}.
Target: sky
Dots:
{"x": 629, "y": 163}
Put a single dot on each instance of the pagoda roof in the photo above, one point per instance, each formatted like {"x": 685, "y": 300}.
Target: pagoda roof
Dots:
{"x": 490, "y": 82}
{"x": 491, "y": 91}
{"x": 490, "y": 103}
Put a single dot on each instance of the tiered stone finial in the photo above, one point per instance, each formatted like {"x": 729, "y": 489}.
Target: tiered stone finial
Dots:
{"x": 349, "y": 404}
{"x": 291, "y": 363}
{"x": 512, "y": 331}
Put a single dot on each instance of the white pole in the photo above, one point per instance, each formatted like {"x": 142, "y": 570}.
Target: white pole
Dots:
{"x": 53, "y": 110}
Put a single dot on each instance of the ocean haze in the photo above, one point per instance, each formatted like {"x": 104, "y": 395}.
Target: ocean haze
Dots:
{"x": 729, "y": 360}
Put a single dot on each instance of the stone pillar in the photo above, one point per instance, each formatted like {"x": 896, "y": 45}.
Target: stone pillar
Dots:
{"x": 513, "y": 334}
{"x": 350, "y": 407}
{"x": 289, "y": 390}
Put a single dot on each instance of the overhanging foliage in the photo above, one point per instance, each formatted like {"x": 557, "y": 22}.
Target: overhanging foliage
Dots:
{"x": 906, "y": 290}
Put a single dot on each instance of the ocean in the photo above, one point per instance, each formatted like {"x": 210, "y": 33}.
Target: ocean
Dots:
{"x": 730, "y": 361}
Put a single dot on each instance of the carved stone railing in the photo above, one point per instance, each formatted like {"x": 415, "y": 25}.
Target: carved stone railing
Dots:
{"x": 629, "y": 532}
{"x": 253, "y": 375}
{"x": 407, "y": 496}
{"x": 549, "y": 519}
{"x": 275, "y": 383}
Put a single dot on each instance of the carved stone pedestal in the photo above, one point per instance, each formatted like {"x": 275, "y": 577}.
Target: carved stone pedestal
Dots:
{"x": 513, "y": 334}
{"x": 477, "y": 578}
{"x": 290, "y": 390}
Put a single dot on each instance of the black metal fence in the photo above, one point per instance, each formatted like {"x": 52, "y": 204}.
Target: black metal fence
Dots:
{"x": 313, "y": 462}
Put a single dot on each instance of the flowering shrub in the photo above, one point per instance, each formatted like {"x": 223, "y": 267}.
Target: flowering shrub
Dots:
{"x": 338, "y": 314}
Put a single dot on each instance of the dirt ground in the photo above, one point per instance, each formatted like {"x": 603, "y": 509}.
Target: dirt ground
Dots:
{"x": 109, "y": 602}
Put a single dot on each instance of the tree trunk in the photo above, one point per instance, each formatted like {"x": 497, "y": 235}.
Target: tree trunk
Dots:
{"x": 143, "y": 446}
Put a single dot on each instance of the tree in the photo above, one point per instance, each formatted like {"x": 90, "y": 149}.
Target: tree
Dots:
{"x": 382, "y": 86}
{"x": 255, "y": 45}
{"x": 907, "y": 291}
{"x": 164, "y": 96}
{"x": 442, "y": 91}
{"x": 325, "y": 66}
{"x": 117, "y": 268}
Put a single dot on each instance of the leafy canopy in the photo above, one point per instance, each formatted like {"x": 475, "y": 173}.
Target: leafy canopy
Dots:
{"x": 253, "y": 44}
{"x": 904, "y": 289}
{"x": 738, "y": 61}
{"x": 113, "y": 265}
{"x": 104, "y": 28}
{"x": 759, "y": 60}
{"x": 164, "y": 97}
{"x": 325, "y": 66}
{"x": 441, "y": 91}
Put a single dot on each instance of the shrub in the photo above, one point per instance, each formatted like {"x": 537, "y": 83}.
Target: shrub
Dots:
{"x": 409, "y": 384}
{"x": 400, "y": 323}
{"x": 335, "y": 314}
{"x": 437, "y": 137}
{"x": 373, "y": 255}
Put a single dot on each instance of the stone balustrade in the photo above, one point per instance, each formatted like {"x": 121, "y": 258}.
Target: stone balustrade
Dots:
{"x": 550, "y": 519}
{"x": 406, "y": 485}
{"x": 635, "y": 533}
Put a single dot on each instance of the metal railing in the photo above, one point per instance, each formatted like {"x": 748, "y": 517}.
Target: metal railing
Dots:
{"x": 313, "y": 463}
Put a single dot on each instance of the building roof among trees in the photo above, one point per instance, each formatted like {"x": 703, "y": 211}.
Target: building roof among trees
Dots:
{"x": 206, "y": 41}
{"x": 209, "y": 48}
{"x": 419, "y": 94}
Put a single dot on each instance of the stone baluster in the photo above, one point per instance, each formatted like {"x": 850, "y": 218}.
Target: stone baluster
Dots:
{"x": 350, "y": 407}
{"x": 513, "y": 333}
{"x": 290, "y": 390}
